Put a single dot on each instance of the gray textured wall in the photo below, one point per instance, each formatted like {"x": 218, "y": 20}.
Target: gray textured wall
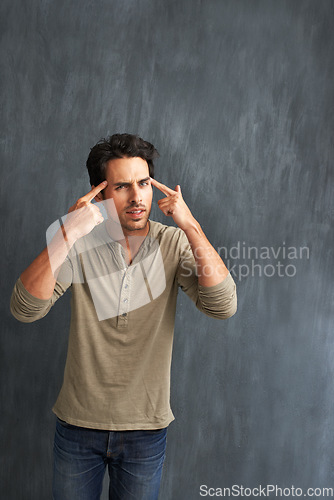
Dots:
{"x": 238, "y": 98}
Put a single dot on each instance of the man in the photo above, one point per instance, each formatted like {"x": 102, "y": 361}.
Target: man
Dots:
{"x": 124, "y": 272}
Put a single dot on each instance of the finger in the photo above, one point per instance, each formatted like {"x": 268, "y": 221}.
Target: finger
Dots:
{"x": 99, "y": 220}
{"x": 98, "y": 217}
{"x": 94, "y": 191}
{"x": 166, "y": 202}
{"x": 164, "y": 189}
{"x": 167, "y": 208}
{"x": 170, "y": 200}
{"x": 95, "y": 209}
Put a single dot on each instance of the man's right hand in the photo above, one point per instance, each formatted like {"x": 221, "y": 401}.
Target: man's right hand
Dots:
{"x": 83, "y": 216}
{"x": 40, "y": 277}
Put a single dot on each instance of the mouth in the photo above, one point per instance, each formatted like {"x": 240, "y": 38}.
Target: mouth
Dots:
{"x": 136, "y": 213}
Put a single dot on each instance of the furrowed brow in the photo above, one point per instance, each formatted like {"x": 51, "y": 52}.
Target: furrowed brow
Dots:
{"x": 121, "y": 184}
{"x": 124, "y": 183}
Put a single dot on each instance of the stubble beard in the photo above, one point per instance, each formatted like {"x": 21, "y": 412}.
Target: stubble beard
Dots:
{"x": 118, "y": 228}
{"x": 136, "y": 225}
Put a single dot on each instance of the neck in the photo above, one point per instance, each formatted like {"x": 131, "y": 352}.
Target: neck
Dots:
{"x": 118, "y": 233}
{"x": 130, "y": 240}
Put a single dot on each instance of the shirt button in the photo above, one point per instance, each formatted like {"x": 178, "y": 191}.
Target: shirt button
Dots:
{"x": 125, "y": 300}
{"x": 124, "y": 314}
{"x": 125, "y": 286}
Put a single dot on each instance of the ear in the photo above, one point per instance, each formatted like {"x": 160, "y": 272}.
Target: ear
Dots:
{"x": 99, "y": 196}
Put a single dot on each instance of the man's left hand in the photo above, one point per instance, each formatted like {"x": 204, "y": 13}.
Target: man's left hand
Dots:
{"x": 175, "y": 206}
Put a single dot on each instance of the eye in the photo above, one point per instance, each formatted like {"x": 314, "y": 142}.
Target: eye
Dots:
{"x": 144, "y": 183}
{"x": 120, "y": 187}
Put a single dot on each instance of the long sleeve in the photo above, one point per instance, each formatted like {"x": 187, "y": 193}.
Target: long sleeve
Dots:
{"x": 218, "y": 301}
{"x": 27, "y": 308}
{"x": 117, "y": 373}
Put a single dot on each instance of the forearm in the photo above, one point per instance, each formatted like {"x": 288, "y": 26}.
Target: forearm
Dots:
{"x": 40, "y": 277}
{"x": 211, "y": 269}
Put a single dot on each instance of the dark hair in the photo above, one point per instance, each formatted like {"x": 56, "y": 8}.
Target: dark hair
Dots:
{"x": 118, "y": 146}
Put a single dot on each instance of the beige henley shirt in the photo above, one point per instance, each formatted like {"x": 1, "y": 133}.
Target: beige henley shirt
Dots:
{"x": 117, "y": 372}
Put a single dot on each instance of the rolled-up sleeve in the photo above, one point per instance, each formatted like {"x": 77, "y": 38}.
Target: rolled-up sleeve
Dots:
{"x": 218, "y": 301}
{"x": 27, "y": 308}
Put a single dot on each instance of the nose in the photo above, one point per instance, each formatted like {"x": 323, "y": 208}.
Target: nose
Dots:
{"x": 135, "y": 194}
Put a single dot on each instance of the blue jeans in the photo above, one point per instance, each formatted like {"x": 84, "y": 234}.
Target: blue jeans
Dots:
{"x": 134, "y": 459}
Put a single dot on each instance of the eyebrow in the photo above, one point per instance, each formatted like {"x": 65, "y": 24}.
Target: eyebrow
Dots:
{"x": 127, "y": 183}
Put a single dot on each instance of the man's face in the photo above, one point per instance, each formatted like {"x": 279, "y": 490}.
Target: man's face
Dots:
{"x": 131, "y": 191}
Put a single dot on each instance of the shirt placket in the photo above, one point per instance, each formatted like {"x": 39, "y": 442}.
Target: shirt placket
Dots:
{"x": 125, "y": 290}
{"x": 124, "y": 300}
{"x": 124, "y": 297}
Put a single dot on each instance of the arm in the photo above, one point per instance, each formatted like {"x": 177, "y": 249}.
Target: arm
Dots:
{"x": 217, "y": 301}
{"x": 211, "y": 270}
{"x": 212, "y": 288}
{"x": 37, "y": 289}
{"x": 40, "y": 277}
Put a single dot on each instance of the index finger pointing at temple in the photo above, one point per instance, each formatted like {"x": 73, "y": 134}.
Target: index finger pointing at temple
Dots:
{"x": 164, "y": 189}
{"x": 94, "y": 191}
